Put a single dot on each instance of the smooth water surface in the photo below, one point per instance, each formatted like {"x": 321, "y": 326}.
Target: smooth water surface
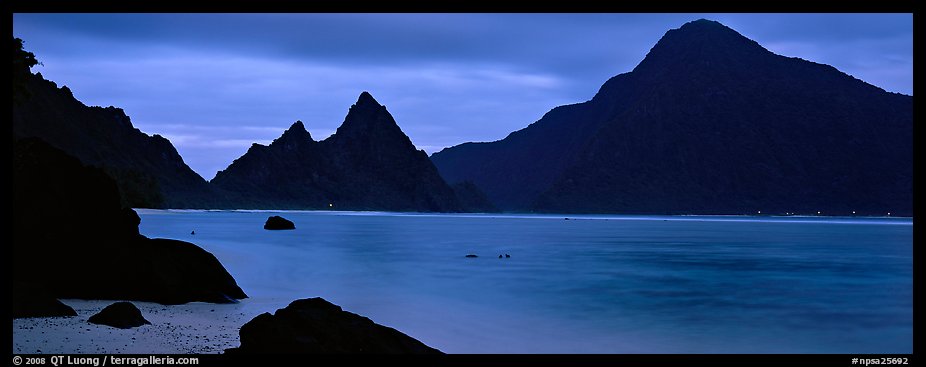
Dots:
{"x": 590, "y": 284}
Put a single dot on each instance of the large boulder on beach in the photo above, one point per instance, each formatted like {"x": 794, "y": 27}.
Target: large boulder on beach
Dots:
{"x": 32, "y": 301}
{"x": 122, "y": 315}
{"x": 173, "y": 272}
{"x": 73, "y": 238}
{"x": 319, "y": 327}
{"x": 277, "y": 222}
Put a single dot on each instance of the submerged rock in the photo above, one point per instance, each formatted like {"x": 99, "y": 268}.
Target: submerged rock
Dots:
{"x": 317, "y": 326}
{"x": 277, "y": 222}
{"x": 122, "y": 315}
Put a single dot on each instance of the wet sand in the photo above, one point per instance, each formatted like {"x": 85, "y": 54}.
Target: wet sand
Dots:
{"x": 193, "y": 328}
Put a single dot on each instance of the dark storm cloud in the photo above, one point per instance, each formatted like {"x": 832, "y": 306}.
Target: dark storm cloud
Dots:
{"x": 539, "y": 42}
{"x": 213, "y": 83}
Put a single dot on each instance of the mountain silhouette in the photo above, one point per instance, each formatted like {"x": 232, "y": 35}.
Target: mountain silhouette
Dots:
{"x": 367, "y": 164}
{"x": 710, "y": 122}
{"x": 147, "y": 169}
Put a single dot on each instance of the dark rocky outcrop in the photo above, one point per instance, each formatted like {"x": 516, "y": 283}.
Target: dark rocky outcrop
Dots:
{"x": 709, "y": 122}
{"x": 367, "y": 164}
{"x": 122, "y": 315}
{"x": 147, "y": 169}
{"x": 277, "y": 222}
{"x": 175, "y": 272}
{"x": 33, "y": 301}
{"x": 316, "y": 326}
{"x": 73, "y": 238}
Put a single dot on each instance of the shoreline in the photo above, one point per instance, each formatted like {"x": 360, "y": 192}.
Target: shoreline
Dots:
{"x": 192, "y": 328}
{"x": 515, "y": 214}
{"x": 769, "y": 218}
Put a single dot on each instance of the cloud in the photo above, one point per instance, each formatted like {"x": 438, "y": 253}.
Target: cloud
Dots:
{"x": 201, "y": 141}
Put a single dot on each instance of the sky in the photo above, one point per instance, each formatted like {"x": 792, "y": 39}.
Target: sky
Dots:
{"x": 213, "y": 84}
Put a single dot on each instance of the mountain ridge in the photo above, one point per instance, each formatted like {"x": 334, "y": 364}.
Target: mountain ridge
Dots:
{"x": 367, "y": 164}
{"x": 147, "y": 168}
{"x": 709, "y": 122}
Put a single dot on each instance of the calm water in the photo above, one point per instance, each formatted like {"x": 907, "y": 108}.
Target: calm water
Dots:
{"x": 591, "y": 284}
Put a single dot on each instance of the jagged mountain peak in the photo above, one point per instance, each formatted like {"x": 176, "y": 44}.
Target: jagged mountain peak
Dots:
{"x": 709, "y": 122}
{"x": 705, "y": 24}
{"x": 703, "y": 32}
{"x": 701, "y": 43}
{"x": 366, "y": 99}
{"x": 296, "y": 137}
{"x": 296, "y": 131}
{"x": 368, "y": 118}
{"x": 366, "y": 105}
{"x": 297, "y": 126}
{"x": 368, "y": 164}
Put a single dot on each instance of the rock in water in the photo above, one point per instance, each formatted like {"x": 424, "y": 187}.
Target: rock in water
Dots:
{"x": 316, "y": 326}
{"x": 123, "y": 315}
{"x": 277, "y": 222}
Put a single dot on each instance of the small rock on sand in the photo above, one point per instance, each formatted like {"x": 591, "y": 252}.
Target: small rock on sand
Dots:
{"x": 123, "y": 315}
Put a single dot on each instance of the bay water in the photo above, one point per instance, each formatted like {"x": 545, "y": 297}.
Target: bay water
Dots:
{"x": 580, "y": 284}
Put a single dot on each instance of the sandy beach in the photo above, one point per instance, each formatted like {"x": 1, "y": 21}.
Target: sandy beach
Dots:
{"x": 193, "y": 328}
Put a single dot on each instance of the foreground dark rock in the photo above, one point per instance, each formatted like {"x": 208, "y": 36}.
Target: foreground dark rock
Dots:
{"x": 123, "y": 315}
{"x": 277, "y": 222}
{"x": 72, "y": 238}
{"x": 175, "y": 272}
{"x": 32, "y": 301}
{"x": 316, "y": 326}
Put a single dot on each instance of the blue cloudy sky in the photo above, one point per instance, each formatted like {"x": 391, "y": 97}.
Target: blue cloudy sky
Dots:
{"x": 215, "y": 83}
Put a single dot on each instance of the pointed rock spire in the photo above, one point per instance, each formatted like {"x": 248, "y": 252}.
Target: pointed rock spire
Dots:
{"x": 296, "y": 132}
{"x": 367, "y": 164}
{"x": 368, "y": 118}
{"x": 366, "y": 99}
